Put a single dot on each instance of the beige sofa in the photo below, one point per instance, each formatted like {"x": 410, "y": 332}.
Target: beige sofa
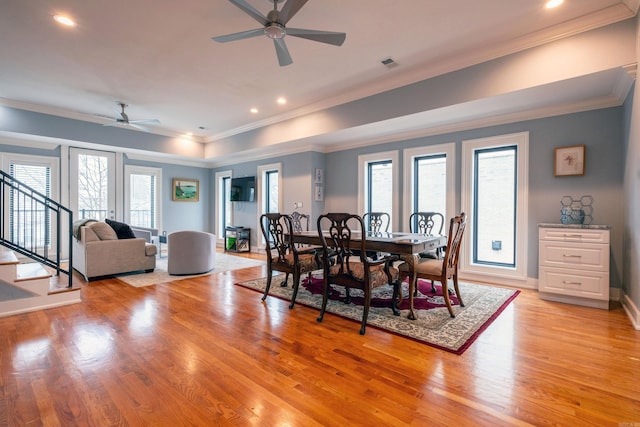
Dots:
{"x": 97, "y": 251}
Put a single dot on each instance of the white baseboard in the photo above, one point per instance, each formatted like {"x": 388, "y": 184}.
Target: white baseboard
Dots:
{"x": 632, "y": 311}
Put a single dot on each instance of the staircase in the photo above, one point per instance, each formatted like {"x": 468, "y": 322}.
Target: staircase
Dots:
{"x": 29, "y": 286}
{"x": 27, "y": 219}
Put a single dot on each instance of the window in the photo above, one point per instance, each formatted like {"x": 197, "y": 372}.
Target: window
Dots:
{"x": 143, "y": 189}
{"x": 378, "y": 184}
{"x": 30, "y": 224}
{"x": 494, "y": 196}
{"x": 271, "y": 191}
{"x": 95, "y": 182}
{"x": 270, "y": 194}
{"x": 224, "y": 216}
{"x": 430, "y": 180}
{"x": 495, "y": 193}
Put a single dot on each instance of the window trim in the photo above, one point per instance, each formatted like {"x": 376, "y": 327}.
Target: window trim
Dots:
{"x": 469, "y": 269}
{"x": 363, "y": 187}
{"x": 410, "y": 154}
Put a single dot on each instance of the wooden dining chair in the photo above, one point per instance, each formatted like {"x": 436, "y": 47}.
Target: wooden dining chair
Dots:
{"x": 300, "y": 223}
{"x": 441, "y": 269}
{"x": 376, "y": 222}
{"x": 282, "y": 253}
{"x": 428, "y": 223}
{"x": 342, "y": 267}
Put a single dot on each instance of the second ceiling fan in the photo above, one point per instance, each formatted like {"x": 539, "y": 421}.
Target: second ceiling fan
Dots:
{"x": 274, "y": 27}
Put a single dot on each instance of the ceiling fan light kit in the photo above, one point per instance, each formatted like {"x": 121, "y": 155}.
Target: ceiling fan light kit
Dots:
{"x": 274, "y": 27}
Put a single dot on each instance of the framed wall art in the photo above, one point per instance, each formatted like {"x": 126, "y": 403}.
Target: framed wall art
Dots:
{"x": 569, "y": 160}
{"x": 186, "y": 190}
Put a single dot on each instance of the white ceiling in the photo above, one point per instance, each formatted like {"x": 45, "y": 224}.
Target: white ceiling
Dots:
{"x": 158, "y": 56}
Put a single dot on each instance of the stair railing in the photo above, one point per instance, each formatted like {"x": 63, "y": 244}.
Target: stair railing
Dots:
{"x": 33, "y": 224}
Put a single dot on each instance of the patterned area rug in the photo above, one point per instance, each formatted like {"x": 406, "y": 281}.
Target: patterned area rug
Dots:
{"x": 224, "y": 262}
{"x": 434, "y": 326}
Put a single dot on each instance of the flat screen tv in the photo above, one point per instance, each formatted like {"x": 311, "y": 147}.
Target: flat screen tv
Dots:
{"x": 243, "y": 189}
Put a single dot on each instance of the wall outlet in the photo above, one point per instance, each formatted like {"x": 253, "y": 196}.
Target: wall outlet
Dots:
{"x": 297, "y": 205}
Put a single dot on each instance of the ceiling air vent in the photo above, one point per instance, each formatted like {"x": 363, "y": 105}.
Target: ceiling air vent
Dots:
{"x": 389, "y": 62}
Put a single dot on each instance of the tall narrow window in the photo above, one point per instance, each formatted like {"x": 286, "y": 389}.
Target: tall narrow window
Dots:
{"x": 494, "y": 189}
{"x": 225, "y": 201}
{"x": 495, "y": 193}
{"x": 378, "y": 184}
{"x": 272, "y": 191}
{"x": 142, "y": 193}
{"x": 29, "y": 221}
{"x": 430, "y": 179}
{"x": 270, "y": 194}
{"x": 224, "y": 211}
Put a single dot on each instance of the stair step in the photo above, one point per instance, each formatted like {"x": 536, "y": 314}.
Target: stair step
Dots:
{"x": 8, "y": 258}
{"x": 31, "y": 271}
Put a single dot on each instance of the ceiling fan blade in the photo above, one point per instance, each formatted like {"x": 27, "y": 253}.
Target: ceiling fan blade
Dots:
{"x": 133, "y": 125}
{"x": 148, "y": 121}
{"x": 328, "y": 37}
{"x": 290, "y": 8}
{"x": 239, "y": 36}
{"x": 283, "y": 53}
{"x": 251, "y": 11}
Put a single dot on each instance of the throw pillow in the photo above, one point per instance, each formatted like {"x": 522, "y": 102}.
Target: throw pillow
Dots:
{"x": 123, "y": 231}
{"x": 103, "y": 231}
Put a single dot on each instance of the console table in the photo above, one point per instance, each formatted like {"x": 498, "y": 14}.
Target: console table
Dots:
{"x": 237, "y": 239}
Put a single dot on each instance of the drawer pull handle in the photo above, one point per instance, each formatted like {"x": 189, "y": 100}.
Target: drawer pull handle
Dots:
{"x": 573, "y": 236}
{"x": 568, "y": 282}
{"x": 571, "y": 256}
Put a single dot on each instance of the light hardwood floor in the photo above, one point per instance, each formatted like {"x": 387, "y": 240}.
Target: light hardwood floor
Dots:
{"x": 203, "y": 352}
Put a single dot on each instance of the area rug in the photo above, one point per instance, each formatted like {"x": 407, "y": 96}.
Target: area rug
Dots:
{"x": 434, "y": 326}
{"x": 224, "y": 262}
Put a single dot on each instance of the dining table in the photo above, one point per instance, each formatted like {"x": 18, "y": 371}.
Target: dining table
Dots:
{"x": 407, "y": 246}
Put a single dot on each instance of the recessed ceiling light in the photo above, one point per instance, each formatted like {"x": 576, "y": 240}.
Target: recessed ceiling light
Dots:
{"x": 64, "y": 20}
{"x": 254, "y": 110}
{"x": 189, "y": 134}
{"x": 553, "y": 3}
{"x": 282, "y": 101}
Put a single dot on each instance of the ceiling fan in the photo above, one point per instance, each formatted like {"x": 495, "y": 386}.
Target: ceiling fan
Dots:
{"x": 275, "y": 28}
{"x": 123, "y": 120}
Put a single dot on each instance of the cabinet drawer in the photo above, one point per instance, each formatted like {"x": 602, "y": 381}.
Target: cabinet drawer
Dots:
{"x": 587, "y": 256}
{"x": 574, "y": 235}
{"x": 586, "y": 284}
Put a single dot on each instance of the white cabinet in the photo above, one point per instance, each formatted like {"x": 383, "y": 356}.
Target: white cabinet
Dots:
{"x": 574, "y": 264}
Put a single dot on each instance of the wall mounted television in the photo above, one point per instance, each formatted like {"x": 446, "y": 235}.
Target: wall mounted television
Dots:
{"x": 243, "y": 189}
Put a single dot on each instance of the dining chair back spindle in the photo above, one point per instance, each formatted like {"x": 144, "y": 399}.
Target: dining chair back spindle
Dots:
{"x": 342, "y": 266}
{"x": 282, "y": 253}
{"x": 444, "y": 269}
